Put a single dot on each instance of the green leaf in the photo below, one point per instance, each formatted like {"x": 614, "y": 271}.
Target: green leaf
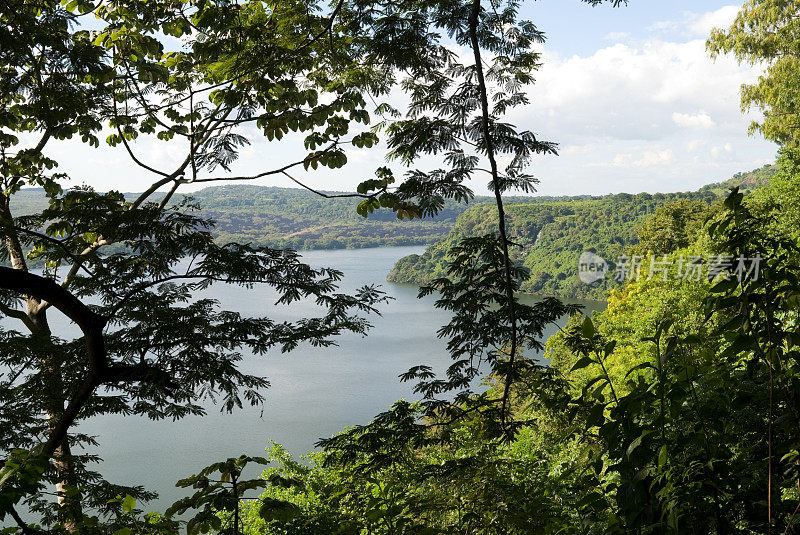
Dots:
{"x": 272, "y": 509}
{"x": 582, "y": 363}
{"x": 662, "y": 456}
{"x": 128, "y": 503}
{"x": 587, "y": 328}
{"x": 635, "y": 444}
{"x": 595, "y": 416}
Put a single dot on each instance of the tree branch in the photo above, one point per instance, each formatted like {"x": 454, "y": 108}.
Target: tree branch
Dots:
{"x": 326, "y": 195}
{"x": 487, "y": 135}
{"x": 90, "y": 323}
{"x": 280, "y": 170}
{"x": 19, "y": 315}
{"x": 26, "y": 529}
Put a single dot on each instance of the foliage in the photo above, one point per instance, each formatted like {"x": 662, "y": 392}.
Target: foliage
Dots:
{"x": 672, "y": 411}
{"x": 672, "y": 226}
{"x": 675, "y": 411}
{"x": 780, "y": 199}
{"x": 431, "y": 490}
{"x": 491, "y": 330}
{"x": 217, "y": 499}
{"x": 162, "y": 351}
{"x": 124, "y": 270}
{"x": 552, "y": 234}
{"x": 765, "y": 31}
{"x": 746, "y": 182}
{"x": 700, "y": 436}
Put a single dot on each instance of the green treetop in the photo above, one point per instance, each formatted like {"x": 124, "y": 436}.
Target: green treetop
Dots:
{"x": 768, "y": 31}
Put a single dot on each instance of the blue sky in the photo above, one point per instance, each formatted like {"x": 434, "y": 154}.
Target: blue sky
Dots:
{"x": 573, "y": 27}
{"x": 629, "y": 94}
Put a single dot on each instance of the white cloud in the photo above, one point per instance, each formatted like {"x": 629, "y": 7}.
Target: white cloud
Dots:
{"x": 631, "y": 91}
{"x": 663, "y": 25}
{"x": 651, "y": 115}
{"x": 647, "y": 158}
{"x": 701, "y": 121}
{"x": 616, "y": 36}
{"x": 721, "y": 18}
{"x": 697, "y": 24}
{"x": 721, "y": 151}
{"x": 695, "y": 144}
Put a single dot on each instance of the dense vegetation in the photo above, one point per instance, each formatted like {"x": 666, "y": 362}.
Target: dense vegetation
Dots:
{"x": 299, "y": 219}
{"x": 117, "y": 267}
{"x": 661, "y": 416}
{"x": 293, "y": 218}
{"x": 552, "y": 234}
{"x": 676, "y": 410}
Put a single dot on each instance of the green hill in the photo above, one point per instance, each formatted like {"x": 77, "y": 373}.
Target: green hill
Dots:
{"x": 553, "y": 233}
{"x": 287, "y": 217}
{"x": 299, "y": 219}
{"x": 290, "y": 217}
{"x": 746, "y": 182}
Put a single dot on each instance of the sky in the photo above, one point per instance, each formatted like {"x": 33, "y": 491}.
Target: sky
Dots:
{"x": 629, "y": 94}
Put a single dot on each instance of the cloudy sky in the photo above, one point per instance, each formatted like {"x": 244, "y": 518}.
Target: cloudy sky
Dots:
{"x": 629, "y": 94}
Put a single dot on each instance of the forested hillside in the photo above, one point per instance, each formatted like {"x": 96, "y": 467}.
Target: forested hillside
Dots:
{"x": 744, "y": 181}
{"x": 294, "y": 218}
{"x": 553, "y": 233}
{"x": 299, "y": 219}
{"x": 644, "y": 399}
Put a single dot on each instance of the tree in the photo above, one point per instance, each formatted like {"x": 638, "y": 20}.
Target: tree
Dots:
{"x": 491, "y": 333}
{"x": 672, "y": 227}
{"x": 123, "y": 269}
{"x": 766, "y": 31}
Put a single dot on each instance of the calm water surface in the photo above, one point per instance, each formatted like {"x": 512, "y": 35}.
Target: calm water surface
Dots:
{"x": 314, "y": 393}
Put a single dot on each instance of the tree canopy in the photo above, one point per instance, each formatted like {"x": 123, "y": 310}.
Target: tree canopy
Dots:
{"x": 674, "y": 411}
{"x": 767, "y": 31}
{"x": 124, "y": 270}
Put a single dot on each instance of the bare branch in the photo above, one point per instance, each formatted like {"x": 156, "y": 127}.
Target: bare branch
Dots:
{"x": 326, "y": 195}
{"x": 18, "y": 315}
{"x": 26, "y": 529}
{"x": 280, "y": 170}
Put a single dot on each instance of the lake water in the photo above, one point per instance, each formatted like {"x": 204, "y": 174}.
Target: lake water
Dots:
{"x": 314, "y": 393}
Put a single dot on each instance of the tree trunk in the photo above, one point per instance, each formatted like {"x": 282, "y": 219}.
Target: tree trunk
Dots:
{"x": 70, "y": 510}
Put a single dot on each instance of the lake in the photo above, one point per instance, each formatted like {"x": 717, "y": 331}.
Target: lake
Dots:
{"x": 314, "y": 393}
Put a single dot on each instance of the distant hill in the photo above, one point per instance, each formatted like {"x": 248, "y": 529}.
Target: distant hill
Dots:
{"x": 554, "y": 233}
{"x": 746, "y": 182}
{"x": 300, "y": 219}
{"x": 296, "y": 218}
{"x": 287, "y": 217}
